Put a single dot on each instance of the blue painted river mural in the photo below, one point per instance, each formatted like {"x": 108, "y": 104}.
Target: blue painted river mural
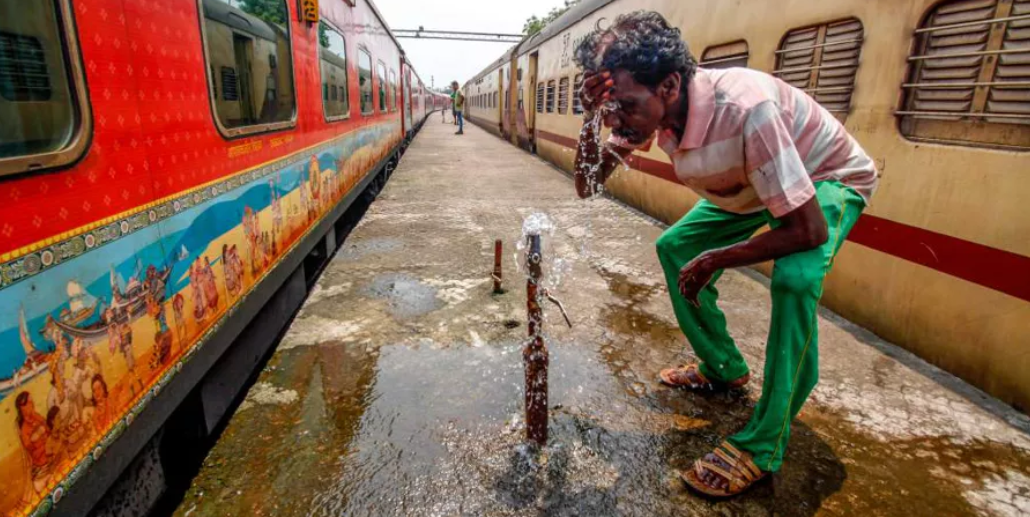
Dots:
{"x": 86, "y": 341}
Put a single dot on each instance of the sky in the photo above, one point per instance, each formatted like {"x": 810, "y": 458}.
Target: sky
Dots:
{"x": 446, "y": 61}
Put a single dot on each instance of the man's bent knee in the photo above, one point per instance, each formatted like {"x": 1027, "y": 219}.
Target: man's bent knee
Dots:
{"x": 798, "y": 282}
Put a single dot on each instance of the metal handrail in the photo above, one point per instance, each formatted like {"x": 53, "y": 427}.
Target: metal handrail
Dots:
{"x": 922, "y": 57}
{"x": 810, "y": 68}
{"x": 820, "y": 45}
{"x": 829, "y": 89}
{"x": 973, "y": 23}
{"x": 948, "y": 86}
{"x": 962, "y": 114}
{"x": 724, "y": 59}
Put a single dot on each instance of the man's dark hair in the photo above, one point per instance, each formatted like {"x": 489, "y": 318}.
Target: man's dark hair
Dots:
{"x": 642, "y": 43}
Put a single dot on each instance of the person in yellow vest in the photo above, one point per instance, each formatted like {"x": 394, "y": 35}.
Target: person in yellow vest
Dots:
{"x": 459, "y": 106}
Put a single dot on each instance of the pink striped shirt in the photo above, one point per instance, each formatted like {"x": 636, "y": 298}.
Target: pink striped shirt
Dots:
{"x": 753, "y": 142}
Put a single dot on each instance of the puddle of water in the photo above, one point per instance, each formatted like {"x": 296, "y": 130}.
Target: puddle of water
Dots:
{"x": 406, "y": 296}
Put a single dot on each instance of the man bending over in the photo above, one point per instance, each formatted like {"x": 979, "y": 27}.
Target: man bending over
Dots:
{"x": 759, "y": 152}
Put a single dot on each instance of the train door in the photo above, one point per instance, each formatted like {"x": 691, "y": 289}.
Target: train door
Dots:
{"x": 243, "y": 47}
{"x": 499, "y": 108}
{"x": 532, "y": 107}
{"x": 406, "y": 94}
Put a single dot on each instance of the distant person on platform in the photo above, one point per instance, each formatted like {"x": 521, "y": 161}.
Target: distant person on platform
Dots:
{"x": 758, "y": 152}
{"x": 454, "y": 113}
{"x": 459, "y": 107}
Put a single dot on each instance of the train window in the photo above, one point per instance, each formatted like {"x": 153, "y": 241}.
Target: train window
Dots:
{"x": 520, "y": 103}
{"x": 365, "y": 81}
{"x": 823, "y": 60}
{"x": 43, "y": 102}
{"x": 969, "y": 79}
{"x": 507, "y": 100}
{"x": 727, "y": 55}
{"x": 550, "y": 96}
{"x": 563, "y": 96}
{"x": 540, "y": 97}
{"x": 250, "y": 44}
{"x": 332, "y": 53}
{"x": 577, "y": 106}
{"x": 381, "y": 76}
{"x": 393, "y": 90}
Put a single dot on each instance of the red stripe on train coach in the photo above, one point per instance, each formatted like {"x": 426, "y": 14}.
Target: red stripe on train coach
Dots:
{"x": 989, "y": 267}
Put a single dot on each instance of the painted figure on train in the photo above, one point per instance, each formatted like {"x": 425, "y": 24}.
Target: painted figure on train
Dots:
{"x": 35, "y": 438}
{"x": 758, "y": 152}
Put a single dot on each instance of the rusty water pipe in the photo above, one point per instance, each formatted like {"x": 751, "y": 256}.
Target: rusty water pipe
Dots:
{"x": 535, "y": 355}
{"x": 498, "y": 272}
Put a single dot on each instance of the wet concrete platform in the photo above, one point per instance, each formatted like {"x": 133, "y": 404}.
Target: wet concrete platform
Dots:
{"x": 398, "y": 389}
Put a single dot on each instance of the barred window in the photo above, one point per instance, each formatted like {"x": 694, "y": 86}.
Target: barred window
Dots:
{"x": 230, "y": 85}
{"x": 969, "y": 79}
{"x": 540, "y": 97}
{"x": 250, "y": 45}
{"x": 44, "y": 112}
{"x": 365, "y": 81}
{"x": 332, "y": 53}
{"x": 823, "y": 61}
{"x": 577, "y": 106}
{"x": 727, "y": 55}
{"x": 563, "y": 96}
{"x": 550, "y": 96}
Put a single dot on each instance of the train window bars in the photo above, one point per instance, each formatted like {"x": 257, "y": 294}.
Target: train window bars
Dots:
{"x": 43, "y": 101}
{"x": 365, "y": 81}
{"x": 726, "y": 55}
{"x": 254, "y": 42}
{"x": 393, "y": 90}
{"x": 540, "y": 97}
{"x": 563, "y": 96}
{"x": 381, "y": 76}
{"x": 969, "y": 77}
{"x": 577, "y": 106}
{"x": 823, "y": 60}
{"x": 550, "y": 96}
{"x": 332, "y": 53}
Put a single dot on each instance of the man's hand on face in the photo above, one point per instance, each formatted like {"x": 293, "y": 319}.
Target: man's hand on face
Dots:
{"x": 596, "y": 90}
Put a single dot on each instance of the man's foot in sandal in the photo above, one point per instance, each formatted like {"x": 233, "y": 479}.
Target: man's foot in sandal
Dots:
{"x": 690, "y": 376}
{"x": 724, "y": 472}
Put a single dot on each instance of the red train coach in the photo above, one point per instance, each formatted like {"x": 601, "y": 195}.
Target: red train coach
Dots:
{"x": 169, "y": 172}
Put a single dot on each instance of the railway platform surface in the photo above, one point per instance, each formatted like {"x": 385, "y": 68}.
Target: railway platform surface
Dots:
{"x": 398, "y": 390}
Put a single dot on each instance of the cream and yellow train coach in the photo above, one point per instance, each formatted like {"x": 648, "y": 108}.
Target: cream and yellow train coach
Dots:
{"x": 937, "y": 91}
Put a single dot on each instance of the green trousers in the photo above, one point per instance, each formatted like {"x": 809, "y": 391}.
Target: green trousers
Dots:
{"x": 791, "y": 356}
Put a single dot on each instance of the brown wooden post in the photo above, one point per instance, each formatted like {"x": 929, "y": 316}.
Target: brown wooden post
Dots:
{"x": 535, "y": 354}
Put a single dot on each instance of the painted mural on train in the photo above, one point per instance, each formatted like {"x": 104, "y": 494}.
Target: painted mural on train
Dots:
{"x": 86, "y": 342}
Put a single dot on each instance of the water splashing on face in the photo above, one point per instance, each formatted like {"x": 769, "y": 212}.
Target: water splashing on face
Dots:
{"x": 593, "y": 128}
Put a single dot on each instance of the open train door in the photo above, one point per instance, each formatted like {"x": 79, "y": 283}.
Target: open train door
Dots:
{"x": 532, "y": 106}
{"x": 501, "y": 92}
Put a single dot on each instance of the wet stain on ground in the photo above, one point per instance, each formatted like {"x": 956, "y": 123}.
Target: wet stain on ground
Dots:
{"x": 406, "y": 296}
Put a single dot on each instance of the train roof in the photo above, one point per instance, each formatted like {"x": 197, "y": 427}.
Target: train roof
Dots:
{"x": 574, "y": 14}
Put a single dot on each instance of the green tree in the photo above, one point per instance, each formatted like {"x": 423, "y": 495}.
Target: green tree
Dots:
{"x": 271, "y": 11}
{"x": 534, "y": 24}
